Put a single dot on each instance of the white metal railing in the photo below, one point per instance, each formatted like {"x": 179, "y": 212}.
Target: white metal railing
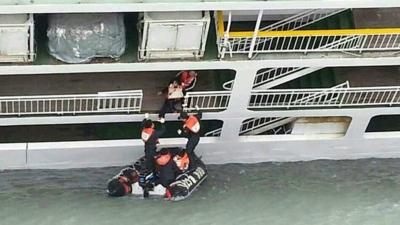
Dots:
{"x": 303, "y": 41}
{"x": 302, "y": 19}
{"x": 214, "y": 133}
{"x": 103, "y": 102}
{"x": 317, "y": 98}
{"x": 207, "y": 100}
{"x": 298, "y": 21}
{"x": 228, "y": 85}
{"x": 243, "y": 44}
{"x": 12, "y": 48}
{"x": 273, "y": 74}
{"x": 255, "y": 123}
{"x": 318, "y": 42}
{"x": 281, "y": 130}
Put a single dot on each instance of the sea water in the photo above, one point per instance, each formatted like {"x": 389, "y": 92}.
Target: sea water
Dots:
{"x": 322, "y": 192}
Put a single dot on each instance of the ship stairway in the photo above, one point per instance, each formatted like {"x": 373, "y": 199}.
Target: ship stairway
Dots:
{"x": 275, "y": 76}
{"x": 350, "y": 41}
{"x": 298, "y": 21}
{"x": 256, "y": 126}
{"x": 338, "y": 96}
{"x": 261, "y": 125}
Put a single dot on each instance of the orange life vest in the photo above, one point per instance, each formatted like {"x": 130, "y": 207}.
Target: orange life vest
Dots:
{"x": 186, "y": 79}
{"x": 182, "y": 162}
{"x": 146, "y": 133}
{"x": 162, "y": 160}
{"x": 192, "y": 123}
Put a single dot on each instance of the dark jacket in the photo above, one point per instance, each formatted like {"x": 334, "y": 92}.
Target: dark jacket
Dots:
{"x": 151, "y": 144}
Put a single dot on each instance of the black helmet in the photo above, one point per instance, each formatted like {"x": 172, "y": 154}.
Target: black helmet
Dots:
{"x": 148, "y": 123}
{"x": 115, "y": 188}
{"x": 183, "y": 115}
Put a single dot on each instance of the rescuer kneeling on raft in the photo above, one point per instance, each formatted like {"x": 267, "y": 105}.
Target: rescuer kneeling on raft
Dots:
{"x": 171, "y": 178}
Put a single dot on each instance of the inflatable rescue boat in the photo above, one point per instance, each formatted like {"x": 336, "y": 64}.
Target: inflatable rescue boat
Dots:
{"x": 139, "y": 182}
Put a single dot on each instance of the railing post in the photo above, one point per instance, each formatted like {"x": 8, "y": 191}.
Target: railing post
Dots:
{"x": 363, "y": 43}
{"x": 394, "y": 97}
{"x": 255, "y": 33}
{"x": 344, "y": 95}
{"x": 31, "y": 38}
{"x": 226, "y": 36}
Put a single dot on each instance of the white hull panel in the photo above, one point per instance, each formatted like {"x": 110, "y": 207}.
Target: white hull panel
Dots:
{"x": 62, "y": 155}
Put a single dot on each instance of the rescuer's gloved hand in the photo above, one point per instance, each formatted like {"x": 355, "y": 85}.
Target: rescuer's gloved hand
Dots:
{"x": 197, "y": 108}
{"x": 162, "y": 120}
{"x": 146, "y": 116}
{"x": 179, "y": 131}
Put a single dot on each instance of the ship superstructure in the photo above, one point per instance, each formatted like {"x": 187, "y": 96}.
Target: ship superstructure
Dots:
{"x": 278, "y": 81}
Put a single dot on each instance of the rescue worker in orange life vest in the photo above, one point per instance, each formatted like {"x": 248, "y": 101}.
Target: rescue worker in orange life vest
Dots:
{"x": 187, "y": 79}
{"x": 191, "y": 130}
{"x": 150, "y": 138}
{"x": 169, "y": 166}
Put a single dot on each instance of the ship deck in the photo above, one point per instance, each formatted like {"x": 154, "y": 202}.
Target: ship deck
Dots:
{"x": 62, "y": 84}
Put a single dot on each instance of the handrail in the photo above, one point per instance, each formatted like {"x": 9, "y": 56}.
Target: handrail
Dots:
{"x": 255, "y": 123}
{"x": 297, "y": 33}
{"x": 341, "y": 97}
{"x": 214, "y": 133}
{"x": 106, "y": 102}
{"x": 314, "y": 33}
{"x": 206, "y": 100}
{"x": 302, "y": 19}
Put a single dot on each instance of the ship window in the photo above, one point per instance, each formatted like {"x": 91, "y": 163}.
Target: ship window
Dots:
{"x": 384, "y": 123}
{"x": 299, "y": 126}
{"x": 93, "y": 131}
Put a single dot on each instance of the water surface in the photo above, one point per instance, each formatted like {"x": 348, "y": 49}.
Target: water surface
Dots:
{"x": 303, "y": 193}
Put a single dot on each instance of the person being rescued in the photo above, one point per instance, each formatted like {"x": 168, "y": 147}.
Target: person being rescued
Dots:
{"x": 122, "y": 184}
{"x": 173, "y": 100}
{"x": 190, "y": 130}
{"x": 150, "y": 138}
{"x": 170, "y": 166}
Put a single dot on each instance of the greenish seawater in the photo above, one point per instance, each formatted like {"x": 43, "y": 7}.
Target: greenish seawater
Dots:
{"x": 304, "y": 193}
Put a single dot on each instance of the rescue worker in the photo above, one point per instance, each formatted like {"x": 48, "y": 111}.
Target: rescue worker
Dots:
{"x": 182, "y": 161}
{"x": 170, "y": 165}
{"x": 190, "y": 130}
{"x": 167, "y": 170}
{"x": 122, "y": 184}
{"x": 150, "y": 138}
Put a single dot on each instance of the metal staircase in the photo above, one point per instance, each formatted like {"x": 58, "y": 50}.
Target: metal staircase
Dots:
{"x": 297, "y": 21}
{"x": 256, "y": 126}
{"x": 302, "y": 19}
{"x": 275, "y": 76}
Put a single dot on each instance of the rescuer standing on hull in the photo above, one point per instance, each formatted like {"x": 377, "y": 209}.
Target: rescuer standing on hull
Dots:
{"x": 150, "y": 138}
{"x": 191, "y": 130}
